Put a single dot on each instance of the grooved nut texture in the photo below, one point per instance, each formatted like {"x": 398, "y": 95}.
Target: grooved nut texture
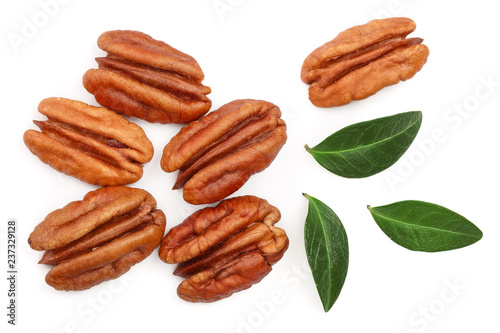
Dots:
{"x": 217, "y": 154}
{"x": 98, "y": 238}
{"x": 224, "y": 249}
{"x": 362, "y": 60}
{"x": 93, "y": 144}
{"x": 148, "y": 79}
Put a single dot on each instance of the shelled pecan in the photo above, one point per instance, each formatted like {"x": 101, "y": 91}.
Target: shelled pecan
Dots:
{"x": 224, "y": 249}
{"x": 362, "y": 60}
{"x": 148, "y": 79}
{"x": 218, "y": 153}
{"x": 98, "y": 238}
{"x": 93, "y": 144}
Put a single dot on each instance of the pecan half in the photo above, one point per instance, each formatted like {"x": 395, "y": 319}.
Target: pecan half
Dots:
{"x": 93, "y": 144}
{"x": 217, "y": 154}
{"x": 148, "y": 79}
{"x": 224, "y": 249}
{"x": 362, "y": 60}
{"x": 98, "y": 238}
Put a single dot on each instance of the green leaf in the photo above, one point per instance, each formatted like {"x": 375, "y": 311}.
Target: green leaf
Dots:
{"x": 364, "y": 149}
{"x": 423, "y": 226}
{"x": 327, "y": 250}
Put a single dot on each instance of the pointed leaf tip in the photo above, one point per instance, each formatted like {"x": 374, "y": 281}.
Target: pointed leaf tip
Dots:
{"x": 327, "y": 250}
{"x": 367, "y": 148}
{"x": 426, "y": 227}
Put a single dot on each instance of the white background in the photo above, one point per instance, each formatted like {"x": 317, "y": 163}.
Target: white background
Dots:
{"x": 255, "y": 49}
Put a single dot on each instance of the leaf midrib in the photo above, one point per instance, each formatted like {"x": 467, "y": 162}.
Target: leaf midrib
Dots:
{"x": 330, "y": 275}
{"x": 420, "y": 226}
{"x": 338, "y": 152}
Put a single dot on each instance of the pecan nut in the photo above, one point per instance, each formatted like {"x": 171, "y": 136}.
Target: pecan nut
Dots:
{"x": 362, "y": 60}
{"x": 217, "y": 154}
{"x": 224, "y": 249}
{"x": 148, "y": 79}
{"x": 98, "y": 238}
{"x": 93, "y": 144}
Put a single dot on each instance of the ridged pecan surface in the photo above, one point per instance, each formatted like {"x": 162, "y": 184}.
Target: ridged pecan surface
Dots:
{"x": 98, "y": 238}
{"x": 93, "y": 144}
{"x": 224, "y": 249}
{"x": 148, "y": 79}
{"x": 217, "y": 154}
{"x": 362, "y": 60}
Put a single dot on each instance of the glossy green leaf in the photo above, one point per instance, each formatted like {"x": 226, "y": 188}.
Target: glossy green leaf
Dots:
{"x": 423, "y": 226}
{"x": 327, "y": 250}
{"x": 366, "y": 148}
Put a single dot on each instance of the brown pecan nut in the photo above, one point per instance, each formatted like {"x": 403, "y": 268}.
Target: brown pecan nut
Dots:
{"x": 224, "y": 249}
{"x": 362, "y": 60}
{"x": 98, "y": 238}
{"x": 93, "y": 144}
{"x": 148, "y": 79}
{"x": 218, "y": 153}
